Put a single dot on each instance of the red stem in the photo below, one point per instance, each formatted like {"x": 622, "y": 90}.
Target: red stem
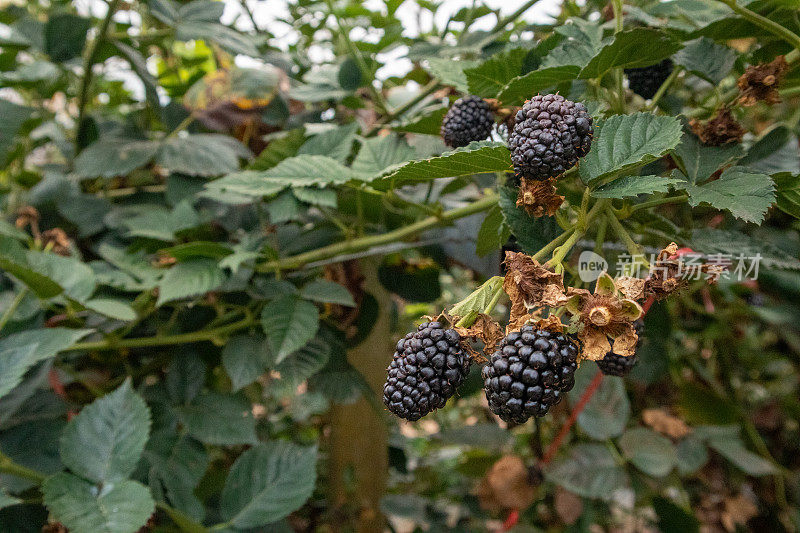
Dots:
{"x": 573, "y": 417}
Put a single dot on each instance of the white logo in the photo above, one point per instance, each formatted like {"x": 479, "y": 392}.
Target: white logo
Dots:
{"x": 590, "y": 266}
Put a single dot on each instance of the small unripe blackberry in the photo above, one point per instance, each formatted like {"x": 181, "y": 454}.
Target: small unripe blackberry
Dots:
{"x": 530, "y": 372}
{"x": 550, "y": 134}
{"x": 645, "y": 81}
{"x": 428, "y": 366}
{"x": 468, "y": 119}
{"x": 619, "y": 365}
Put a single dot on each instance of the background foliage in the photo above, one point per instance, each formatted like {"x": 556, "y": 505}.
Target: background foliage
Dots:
{"x": 202, "y": 280}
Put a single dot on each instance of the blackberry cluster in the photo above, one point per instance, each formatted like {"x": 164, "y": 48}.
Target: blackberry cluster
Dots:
{"x": 645, "y": 81}
{"x": 428, "y": 365}
{"x": 619, "y": 365}
{"x": 529, "y": 373}
{"x": 550, "y": 134}
{"x": 469, "y": 119}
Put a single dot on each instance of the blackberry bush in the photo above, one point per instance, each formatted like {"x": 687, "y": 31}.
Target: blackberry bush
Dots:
{"x": 428, "y": 366}
{"x": 529, "y": 373}
{"x": 468, "y": 119}
{"x": 550, "y": 134}
{"x": 645, "y": 81}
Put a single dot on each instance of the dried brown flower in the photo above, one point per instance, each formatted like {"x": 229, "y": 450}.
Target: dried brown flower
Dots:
{"x": 602, "y": 316}
{"x": 29, "y": 216}
{"x": 530, "y": 284}
{"x": 58, "y": 241}
{"x": 721, "y": 129}
{"x": 485, "y": 329}
{"x": 760, "y": 82}
{"x": 539, "y": 197}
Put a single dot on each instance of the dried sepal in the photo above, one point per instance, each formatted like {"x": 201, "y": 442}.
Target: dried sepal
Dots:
{"x": 539, "y": 197}
{"x": 485, "y": 329}
{"x": 760, "y": 82}
{"x": 632, "y": 288}
{"x": 721, "y": 129}
{"x": 56, "y": 239}
{"x": 529, "y": 284}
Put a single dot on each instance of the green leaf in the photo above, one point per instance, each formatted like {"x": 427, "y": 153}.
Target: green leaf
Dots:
{"x": 750, "y": 463}
{"x": 706, "y": 59}
{"x": 243, "y": 185}
{"x": 279, "y": 149}
{"x": 451, "y": 72}
{"x": 583, "y": 41}
{"x": 122, "y": 507}
{"x": 325, "y": 291}
{"x": 244, "y": 358}
{"x": 289, "y": 324}
{"x": 608, "y": 411}
{"x": 674, "y": 519}
{"x": 691, "y": 455}
{"x": 493, "y": 233}
{"x": 477, "y": 158}
{"x": 477, "y": 301}
{"x": 185, "y": 379}
{"x": 521, "y": 88}
{"x": 111, "y": 308}
{"x": 74, "y": 276}
{"x": 108, "y": 158}
{"x": 156, "y": 222}
{"x": 774, "y": 152}
{"x": 787, "y": 188}
{"x": 267, "y": 482}
{"x": 718, "y": 241}
{"x": 589, "y": 470}
{"x": 336, "y": 143}
{"x": 219, "y": 419}
{"x": 377, "y": 154}
{"x": 637, "y": 47}
{"x": 65, "y": 36}
{"x": 182, "y": 252}
{"x": 531, "y": 233}
{"x": 189, "y": 279}
{"x": 104, "y": 442}
{"x": 313, "y": 196}
{"x": 700, "y": 161}
{"x": 202, "y": 154}
{"x": 428, "y": 123}
{"x": 650, "y": 452}
{"x": 20, "y": 351}
{"x": 302, "y": 364}
{"x": 747, "y": 195}
{"x": 628, "y": 186}
{"x": 6, "y": 500}
{"x": 13, "y": 261}
{"x": 624, "y": 142}
{"x": 228, "y": 38}
{"x": 301, "y": 171}
{"x": 488, "y": 78}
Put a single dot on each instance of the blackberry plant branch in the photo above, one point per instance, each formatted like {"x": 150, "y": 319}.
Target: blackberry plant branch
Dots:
{"x": 89, "y": 60}
{"x": 404, "y": 108}
{"x": 363, "y": 243}
{"x": 633, "y": 248}
{"x": 765, "y": 23}
{"x": 13, "y": 307}
{"x": 8, "y": 466}
{"x": 663, "y": 89}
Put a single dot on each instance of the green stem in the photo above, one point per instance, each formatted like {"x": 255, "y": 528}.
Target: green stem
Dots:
{"x": 364, "y": 243}
{"x": 505, "y": 21}
{"x": 8, "y": 466}
{"x": 664, "y": 87}
{"x": 633, "y": 248}
{"x": 660, "y": 201}
{"x": 570, "y": 237}
{"x": 163, "y": 340}
{"x": 403, "y": 109}
{"x": 552, "y": 245}
{"x": 344, "y": 33}
{"x": 765, "y": 23}
{"x": 89, "y": 61}
{"x": 13, "y": 307}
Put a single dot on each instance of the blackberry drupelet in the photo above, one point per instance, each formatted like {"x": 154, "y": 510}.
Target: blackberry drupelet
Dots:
{"x": 645, "y": 81}
{"x": 428, "y": 365}
{"x": 469, "y": 119}
{"x": 619, "y": 365}
{"x": 529, "y": 373}
{"x": 550, "y": 134}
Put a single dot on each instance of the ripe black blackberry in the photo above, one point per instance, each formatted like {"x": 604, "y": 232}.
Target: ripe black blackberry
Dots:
{"x": 550, "y": 134}
{"x": 645, "y": 81}
{"x": 619, "y": 365}
{"x": 428, "y": 365}
{"x": 529, "y": 373}
{"x": 468, "y": 119}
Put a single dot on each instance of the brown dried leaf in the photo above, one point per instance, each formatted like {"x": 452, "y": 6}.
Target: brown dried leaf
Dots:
{"x": 595, "y": 344}
{"x": 625, "y": 344}
{"x": 539, "y": 197}
{"x": 552, "y": 323}
{"x": 506, "y": 486}
{"x": 527, "y": 281}
{"x": 723, "y": 128}
{"x": 485, "y": 329}
{"x": 760, "y": 82}
{"x": 665, "y": 423}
